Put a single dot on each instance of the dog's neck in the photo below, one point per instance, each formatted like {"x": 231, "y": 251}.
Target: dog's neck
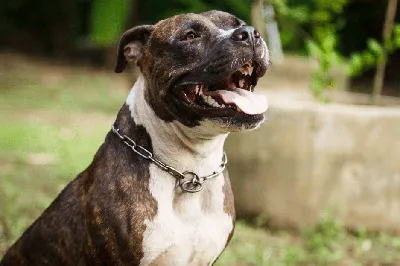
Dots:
{"x": 197, "y": 149}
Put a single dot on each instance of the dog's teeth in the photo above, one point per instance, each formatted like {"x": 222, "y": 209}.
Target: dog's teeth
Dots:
{"x": 250, "y": 70}
{"x": 197, "y": 89}
{"x": 243, "y": 70}
{"x": 210, "y": 100}
{"x": 223, "y": 105}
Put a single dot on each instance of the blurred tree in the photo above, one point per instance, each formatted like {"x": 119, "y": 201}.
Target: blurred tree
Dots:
{"x": 257, "y": 18}
{"x": 89, "y": 28}
{"x": 301, "y": 20}
{"x": 387, "y": 45}
{"x": 108, "y": 20}
{"x": 322, "y": 28}
{"x": 313, "y": 27}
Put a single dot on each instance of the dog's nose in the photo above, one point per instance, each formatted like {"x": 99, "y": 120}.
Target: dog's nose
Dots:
{"x": 246, "y": 34}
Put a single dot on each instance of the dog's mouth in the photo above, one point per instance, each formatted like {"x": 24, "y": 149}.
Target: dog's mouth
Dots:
{"x": 232, "y": 95}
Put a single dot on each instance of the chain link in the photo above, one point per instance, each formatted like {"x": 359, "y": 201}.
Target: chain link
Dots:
{"x": 195, "y": 184}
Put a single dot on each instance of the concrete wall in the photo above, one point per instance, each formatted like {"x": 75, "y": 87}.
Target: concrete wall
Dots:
{"x": 310, "y": 157}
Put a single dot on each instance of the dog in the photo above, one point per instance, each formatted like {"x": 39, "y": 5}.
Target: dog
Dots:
{"x": 157, "y": 191}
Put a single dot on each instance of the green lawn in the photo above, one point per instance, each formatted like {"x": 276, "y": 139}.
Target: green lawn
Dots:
{"x": 53, "y": 119}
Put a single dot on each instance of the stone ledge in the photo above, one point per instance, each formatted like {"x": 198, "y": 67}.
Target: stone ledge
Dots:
{"x": 310, "y": 157}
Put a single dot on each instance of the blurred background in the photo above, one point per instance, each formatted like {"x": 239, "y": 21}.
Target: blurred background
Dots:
{"x": 319, "y": 183}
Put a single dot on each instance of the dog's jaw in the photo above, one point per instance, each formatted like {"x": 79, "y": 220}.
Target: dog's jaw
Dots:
{"x": 174, "y": 143}
{"x": 207, "y": 215}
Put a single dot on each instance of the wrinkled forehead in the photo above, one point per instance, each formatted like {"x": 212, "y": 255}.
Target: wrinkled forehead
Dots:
{"x": 223, "y": 20}
{"x": 217, "y": 20}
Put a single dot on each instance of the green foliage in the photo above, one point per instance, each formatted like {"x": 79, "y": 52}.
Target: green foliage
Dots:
{"x": 319, "y": 23}
{"x": 396, "y": 36}
{"x": 324, "y": 241}
{"x": 108, "y": 19}
{"x": 327, "y": 57}
{"x": 300, "y": 20}
{"x": 376, "y": 52}
{"x": 356, "y": 62}
{"x": 361, "y": 233}
{"x": 324, "y": 49}
{"x": 294, "y": 255}
{"x": 376, "y": 48}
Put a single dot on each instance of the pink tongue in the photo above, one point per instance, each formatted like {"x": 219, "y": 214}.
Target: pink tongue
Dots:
{"x": 249, "y": 102}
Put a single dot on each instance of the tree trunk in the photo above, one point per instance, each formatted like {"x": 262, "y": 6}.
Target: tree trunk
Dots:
{"x": 257, "y": 18}
{"x": 380, "y": 70}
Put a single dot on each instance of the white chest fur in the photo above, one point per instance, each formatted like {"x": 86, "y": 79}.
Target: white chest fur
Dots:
{"x": 189, "y": 229}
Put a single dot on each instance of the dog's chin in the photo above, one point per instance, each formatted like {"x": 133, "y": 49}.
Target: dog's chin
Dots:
{"x": 236, "y": 124}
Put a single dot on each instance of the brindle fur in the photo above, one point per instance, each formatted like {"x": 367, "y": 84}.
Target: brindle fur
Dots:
{"x": 98, "y": 219}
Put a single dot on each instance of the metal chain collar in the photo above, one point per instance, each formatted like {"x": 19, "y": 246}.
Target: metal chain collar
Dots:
{"x": 195, "y": 184}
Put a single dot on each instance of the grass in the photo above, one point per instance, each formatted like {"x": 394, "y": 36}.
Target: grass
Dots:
{"x": 54, "y": 118}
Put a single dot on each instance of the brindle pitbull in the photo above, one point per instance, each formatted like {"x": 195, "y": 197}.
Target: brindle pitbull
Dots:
{"x": 134, "y": 206}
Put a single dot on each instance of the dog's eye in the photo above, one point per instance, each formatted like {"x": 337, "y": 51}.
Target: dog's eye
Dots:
{"x": 190, "y": 36}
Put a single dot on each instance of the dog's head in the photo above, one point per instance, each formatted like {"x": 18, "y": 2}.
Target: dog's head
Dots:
{"x": 200, "y": 67}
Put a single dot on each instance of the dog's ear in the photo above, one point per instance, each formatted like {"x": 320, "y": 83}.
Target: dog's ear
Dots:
{"x": 131, "y": 45}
